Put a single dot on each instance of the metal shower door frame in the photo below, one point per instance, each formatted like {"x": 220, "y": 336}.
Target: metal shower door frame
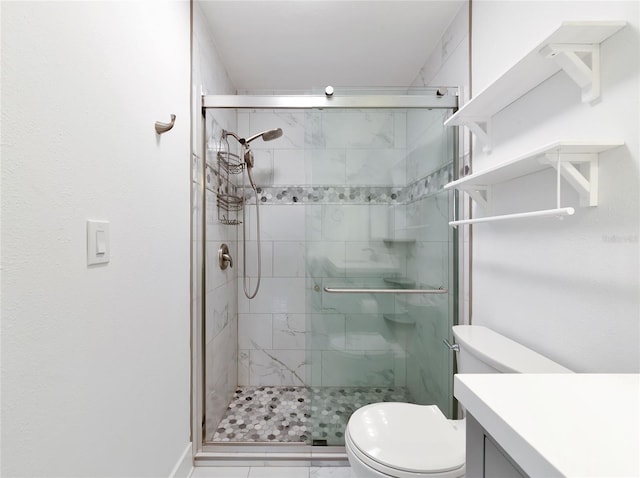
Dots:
{"x": 327, "y": 102}
{"x": 287, "y": 454}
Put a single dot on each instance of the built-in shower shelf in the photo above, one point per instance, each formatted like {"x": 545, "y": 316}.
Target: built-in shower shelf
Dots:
{"x": 571, "y": 159}
{"x": 389, "y": 241}
{"x": 400, "y": 282}
{"x": 565, "y": 49}
{"x": 402, "y": 318}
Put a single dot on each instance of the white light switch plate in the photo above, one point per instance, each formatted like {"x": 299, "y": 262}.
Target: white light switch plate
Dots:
{"x": 98, "y": 247}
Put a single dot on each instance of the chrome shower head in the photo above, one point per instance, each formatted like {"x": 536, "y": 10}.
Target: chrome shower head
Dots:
{"x": 268, "y": 135}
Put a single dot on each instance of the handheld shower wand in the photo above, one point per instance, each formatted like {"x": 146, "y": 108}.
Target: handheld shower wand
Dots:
{"x": 248, "y": 160}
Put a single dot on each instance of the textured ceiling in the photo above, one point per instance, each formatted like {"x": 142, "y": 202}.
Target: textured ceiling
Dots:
{"x": 301, "y": 44}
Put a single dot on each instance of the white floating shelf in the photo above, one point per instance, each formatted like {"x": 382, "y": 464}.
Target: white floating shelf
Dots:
{"x": 562, "y": 49}
{"x": 532, "y": 162}
{"x": 567, "y": 157}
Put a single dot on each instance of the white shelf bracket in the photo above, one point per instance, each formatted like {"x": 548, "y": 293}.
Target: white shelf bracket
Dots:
{"x": 587, "y": 77}
{"x": 587, "y": 187}
{"x": 482, "y": 131}
{"x": 481, "y": 195}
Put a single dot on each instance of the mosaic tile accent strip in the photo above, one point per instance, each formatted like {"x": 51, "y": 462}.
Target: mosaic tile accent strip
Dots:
{"x": 297, "y": 414}
{"x": 431, "y": 184}
{"x": 327, "y": 195}
{"x": 415, "y": 191}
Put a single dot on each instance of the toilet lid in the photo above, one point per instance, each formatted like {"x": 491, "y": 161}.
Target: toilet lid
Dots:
{"x": 408, "y": 437}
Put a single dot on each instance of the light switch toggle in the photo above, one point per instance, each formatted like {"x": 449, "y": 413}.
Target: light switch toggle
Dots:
{"x": 101, "y": 243}
{"x": 98, "y": 248}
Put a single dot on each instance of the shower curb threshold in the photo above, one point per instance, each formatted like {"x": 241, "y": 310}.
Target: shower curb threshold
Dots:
{"x": 303, "y": 458}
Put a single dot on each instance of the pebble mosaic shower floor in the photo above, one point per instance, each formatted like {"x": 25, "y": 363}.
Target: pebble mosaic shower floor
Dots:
{"x": 297, "y": 414}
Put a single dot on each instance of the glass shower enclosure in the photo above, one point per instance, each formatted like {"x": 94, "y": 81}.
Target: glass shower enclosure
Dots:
{"x": 359, "y": 271}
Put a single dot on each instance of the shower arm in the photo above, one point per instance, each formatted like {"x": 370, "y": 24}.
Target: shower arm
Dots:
{"x": 226, "y": 133}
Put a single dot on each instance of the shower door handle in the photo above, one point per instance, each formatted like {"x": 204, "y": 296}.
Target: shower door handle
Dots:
{"x": 455, "y": 206}
{"x": 332, "y": 290}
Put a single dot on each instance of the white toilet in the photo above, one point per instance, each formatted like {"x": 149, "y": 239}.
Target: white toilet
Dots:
{"x": 404, "y": 440}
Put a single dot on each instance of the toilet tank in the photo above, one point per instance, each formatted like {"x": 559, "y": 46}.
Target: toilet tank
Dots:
{"x": 484, "y": 351}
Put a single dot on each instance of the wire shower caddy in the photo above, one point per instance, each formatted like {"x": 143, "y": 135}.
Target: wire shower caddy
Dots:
{"x": 227, "y": 199}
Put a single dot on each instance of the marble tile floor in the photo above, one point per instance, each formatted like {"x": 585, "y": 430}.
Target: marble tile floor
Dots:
{"x": 272, "y": 472}
{"x": 297, "y": 414}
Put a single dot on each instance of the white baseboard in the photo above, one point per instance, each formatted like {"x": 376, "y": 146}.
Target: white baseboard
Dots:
{"x": 184, "y": 466}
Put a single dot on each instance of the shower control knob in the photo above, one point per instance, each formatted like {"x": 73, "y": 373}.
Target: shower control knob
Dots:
{"x": 224, "y": 258}
{"x": 328, "y": 91}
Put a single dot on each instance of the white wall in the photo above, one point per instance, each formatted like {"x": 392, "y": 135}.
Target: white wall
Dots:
{"x": 568, "y": 289}
{"x": 95, "y": 360}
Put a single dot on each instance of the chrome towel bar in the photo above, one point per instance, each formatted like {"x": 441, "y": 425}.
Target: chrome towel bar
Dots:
{"x": 331, "y": 290}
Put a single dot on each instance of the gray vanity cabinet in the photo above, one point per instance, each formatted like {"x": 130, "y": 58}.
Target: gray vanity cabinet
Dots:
{"x": 485, "y": 458}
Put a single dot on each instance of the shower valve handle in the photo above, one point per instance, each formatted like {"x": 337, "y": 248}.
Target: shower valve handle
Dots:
{"x": 224, "y": 258}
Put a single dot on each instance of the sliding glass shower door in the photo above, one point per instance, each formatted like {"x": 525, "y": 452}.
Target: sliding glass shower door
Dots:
{"x": 379, "y": 262}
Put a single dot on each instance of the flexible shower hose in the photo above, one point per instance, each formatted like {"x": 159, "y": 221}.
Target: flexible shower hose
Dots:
{"x": 244, "y": 241}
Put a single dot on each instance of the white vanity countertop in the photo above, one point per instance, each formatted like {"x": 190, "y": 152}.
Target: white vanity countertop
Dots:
{"x": 585, "y": 425}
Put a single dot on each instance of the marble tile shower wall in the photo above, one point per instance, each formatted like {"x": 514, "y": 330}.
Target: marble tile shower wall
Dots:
{"x": 221, "y": 292}
{"x": 332, "y": 189}
{"x": 220, "y": 316}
